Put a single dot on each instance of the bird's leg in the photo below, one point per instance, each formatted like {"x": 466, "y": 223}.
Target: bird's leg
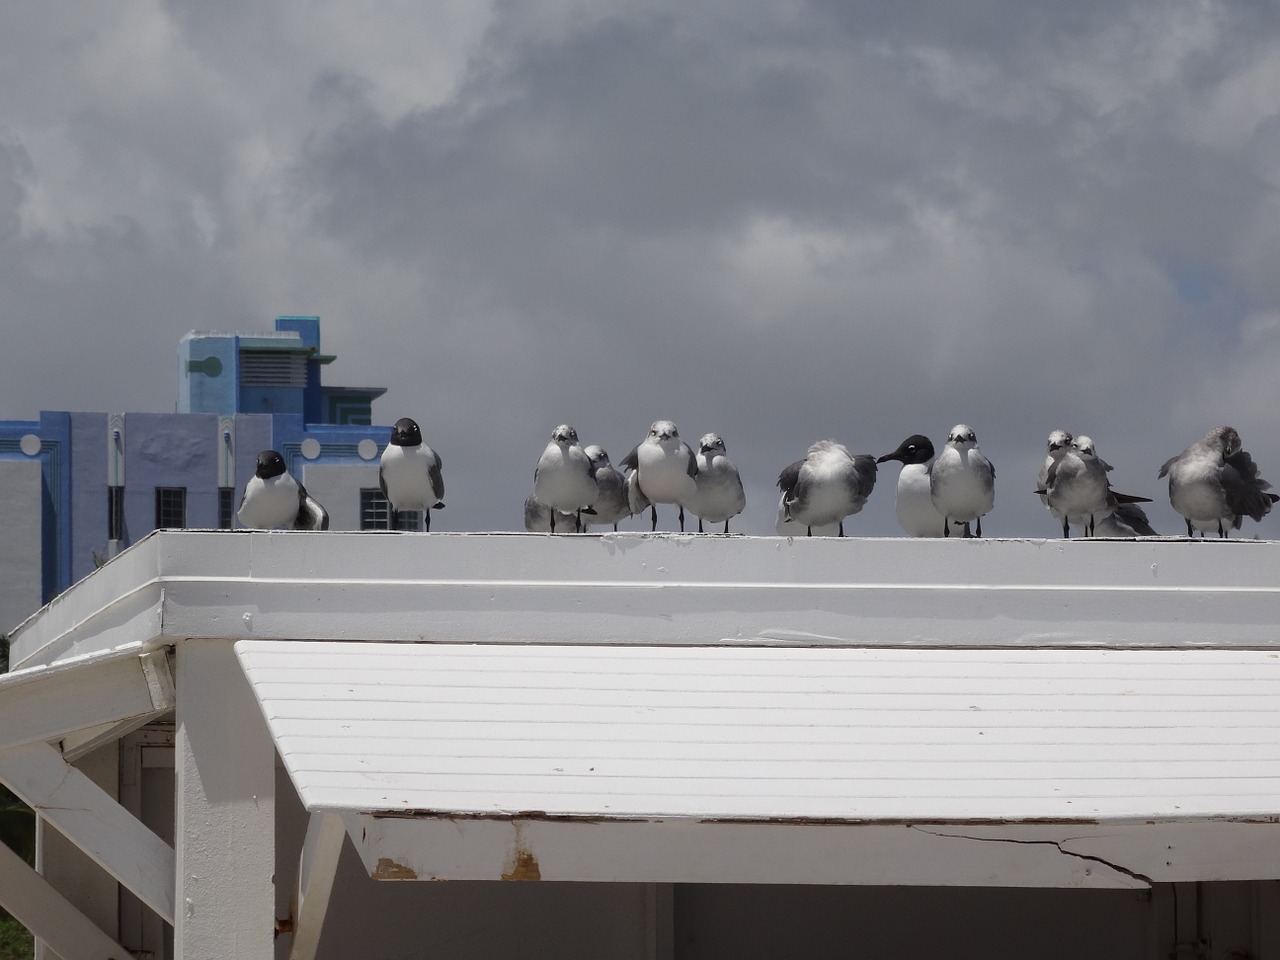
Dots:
{"x": 682, "y": 518}
{"x": 1222, "y": 534}
{"x": 809, "y": 531}
{"x": 393, "y": 518}
{"x": 979, "y": 531}
{"x": 726, "y": 526}
{"x": 946, "y": 526}
{"x": 1066, "y": 529}
{"x": 1190, "y": 531}
{"x": 553, "y": 519}
{"x": 842, "y": 528}
{"x": 615, "y": 528}
{"x": 426, "y": 520}
{"x": 653, "y": 512}
{"x": 700, "y": 525}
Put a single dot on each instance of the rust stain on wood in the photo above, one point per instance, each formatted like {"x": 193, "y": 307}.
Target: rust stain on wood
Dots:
{"x": 388, "y": 869}
{"x": 523, "y": 866}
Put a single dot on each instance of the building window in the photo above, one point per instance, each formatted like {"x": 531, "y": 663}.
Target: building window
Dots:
{"x": 226, "y": 507}
{"x": 375, "y": 513}
{"x": 171, "y": 507}
{"x": 115, "y": 513}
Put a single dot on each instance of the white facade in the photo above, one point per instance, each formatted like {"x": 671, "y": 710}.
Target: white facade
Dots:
{"x": 20, "y": 540}
{"x": 730, "y": 746}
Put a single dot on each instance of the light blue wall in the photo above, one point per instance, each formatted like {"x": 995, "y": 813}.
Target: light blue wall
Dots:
{"x": 207, "y": 374}
{"x": 170, "y": 450}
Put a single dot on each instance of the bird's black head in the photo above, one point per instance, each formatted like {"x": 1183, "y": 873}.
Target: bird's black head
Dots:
{"x": 406, "y": 433}
{"x": 915, "y": 449}
{"x": 270, "y": 464}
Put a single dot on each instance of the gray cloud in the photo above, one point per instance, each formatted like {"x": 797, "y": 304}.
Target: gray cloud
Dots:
{"x": 779, "y": 222}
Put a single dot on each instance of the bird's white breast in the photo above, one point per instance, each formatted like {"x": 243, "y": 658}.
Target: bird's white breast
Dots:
{"x": 406, "y": 471}
{"x": 664, "y": 473}
{"x": 269, "y": 503}
{"x": 914, "y": 508}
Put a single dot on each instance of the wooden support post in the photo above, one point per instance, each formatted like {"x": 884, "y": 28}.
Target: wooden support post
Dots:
{"x": 225, "y": 831}
{"x": 317, "y": 868}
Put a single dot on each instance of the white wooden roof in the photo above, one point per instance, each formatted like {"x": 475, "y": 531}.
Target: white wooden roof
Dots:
{"x": 682, "y": 708}
{"x": 1006, "y": 742}
{"x": 734, "y": 733}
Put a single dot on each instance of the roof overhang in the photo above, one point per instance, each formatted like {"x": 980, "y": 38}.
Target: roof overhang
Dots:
{"x": 734, "y": 709}
{"x": 665, "y": 589}
{"x": 1039, "y": 767}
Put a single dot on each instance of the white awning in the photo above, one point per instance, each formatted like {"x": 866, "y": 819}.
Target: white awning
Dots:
{"x": 775, "y": 764}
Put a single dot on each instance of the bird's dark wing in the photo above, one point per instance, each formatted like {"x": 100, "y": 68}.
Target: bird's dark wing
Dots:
{"x": 789, "y": 477}
{"x": 1244, "y": 489}
{"x": 382, "y": 484}
{"x": 436, "y": 474}
{"x": 1135, "y": 518}
{"x": 692, "y": 467}
{"x": 632, "y": 460}
{"x": 864, "y": 474}
{"x": 311, "y": 516}
{"x": 1164, "y": 468}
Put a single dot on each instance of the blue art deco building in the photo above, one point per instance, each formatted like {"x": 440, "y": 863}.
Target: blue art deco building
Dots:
{"x": 76, "y": 488}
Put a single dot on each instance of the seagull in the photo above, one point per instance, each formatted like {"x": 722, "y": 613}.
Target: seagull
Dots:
{"x": 1128, "y": 520}
{"x": 537, "y": 518}
{"x": 664, "y": 469}
{"x": 273, "y": 499}
{"x": 962, "y": 481}
{"x": 1077, "y": 488}
{"x": 1214, "y": 484}
{"x": 563, "y": 479}
{"x": 914, "y": 505}
{"x": 1059, "y": 441}
{"x": 828, "y": 485}
{"x": 718, "y": 493}
{"x": 787, "y": 527}
{"x": 409, "y": 473}
{"x": 611, "y": 505}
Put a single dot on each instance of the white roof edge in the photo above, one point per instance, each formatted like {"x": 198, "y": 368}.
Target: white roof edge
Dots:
{"x": 667, "y": 589}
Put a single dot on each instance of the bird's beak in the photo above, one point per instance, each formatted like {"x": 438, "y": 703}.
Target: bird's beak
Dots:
{"x": 887, "y": 456}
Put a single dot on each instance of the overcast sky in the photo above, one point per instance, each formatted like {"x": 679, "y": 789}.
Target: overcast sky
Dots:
{"x": 777, "y": 221}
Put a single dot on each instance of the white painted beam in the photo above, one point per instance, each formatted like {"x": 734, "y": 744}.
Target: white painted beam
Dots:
{"x": 317, "y": 869}
{"x": 46, "y": 703}
{"x": 49, "y": 916}
{"x": 80, "y": 810}
{"x": 668, "y": 589}
{"x": 225, "y": 829}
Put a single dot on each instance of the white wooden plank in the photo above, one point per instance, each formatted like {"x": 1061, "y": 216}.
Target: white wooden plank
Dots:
{"x": 44, "y": 703}
{"x": 49, "y": 916}
{"x": 708, "y": 852}
{"x": 317, "y": 870}
{"x": 794, "y": 733}
{"x": 81, "y": 811}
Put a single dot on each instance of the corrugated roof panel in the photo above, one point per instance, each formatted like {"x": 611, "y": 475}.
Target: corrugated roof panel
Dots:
{"x": 747, "y": 733}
